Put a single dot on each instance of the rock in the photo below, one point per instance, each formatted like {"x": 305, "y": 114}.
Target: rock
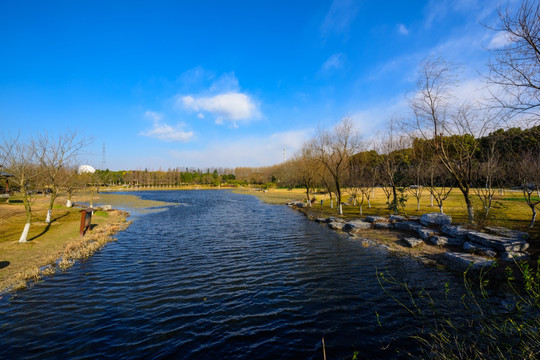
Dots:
{"x": 383, "y": 225}
{"x": 424, "y": 233}
{"x": 414, "y": 218}
{"x": 496, "y": 242}
{"x": 455, "y": 231}
{"x": 444, "y": 241}
{"x": 106, "y": 207}
{"x": 435, "y": 219}
{"x": 375, "y": 218}
{"x": 462, "y": 261}
{"x": 355, "y": 226}
{"x": 438, "y": 240}
{"x": 334, "y": 219}
{"x": 473, "y": 248}
{"x": 514, "y": 256}
{"x": 320, "y": 220}
{"x": 412, "y": 242}
{"x": 296, "y": 203}
{"x": 407, "y": 225}
{"x": 334, "y": 225}
{"x": 396, "y": 218}
{"x": 513, "y": 234}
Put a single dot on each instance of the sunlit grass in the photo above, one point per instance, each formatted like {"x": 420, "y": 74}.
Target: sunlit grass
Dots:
{"x": 21, "y": 262}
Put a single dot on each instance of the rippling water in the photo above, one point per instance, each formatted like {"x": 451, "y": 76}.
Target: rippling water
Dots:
{"x": 219, "y": 275}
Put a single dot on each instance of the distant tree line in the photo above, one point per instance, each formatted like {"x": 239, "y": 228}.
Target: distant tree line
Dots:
{"x": 170, "y": 178}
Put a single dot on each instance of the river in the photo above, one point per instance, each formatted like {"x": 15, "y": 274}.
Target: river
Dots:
{"x": 219, "y": 275}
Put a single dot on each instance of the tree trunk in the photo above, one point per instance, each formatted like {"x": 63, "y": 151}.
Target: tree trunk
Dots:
{"x": 441, "y": 209}
{"x": 431, "y": 200}
{"x": 395, "y": 200}
{"x": 533, "y": 218}
{"x": 470, "y": 214}
{"x": 470, "y": 209}
{"x": 68, "y": 202}
{"x": 28, "y": 210}
{"x": 51, "y": 204}
{"x": 417, "y": 204}
{"x": 360, "y": 208}
{"x": 24, "y": 234}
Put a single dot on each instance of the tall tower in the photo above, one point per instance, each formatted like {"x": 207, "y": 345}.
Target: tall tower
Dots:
{"x": 103, "y": 162}
{"x": 285, "y": 154}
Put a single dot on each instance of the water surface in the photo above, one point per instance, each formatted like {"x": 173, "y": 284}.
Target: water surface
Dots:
{"x": 218, "y": 275}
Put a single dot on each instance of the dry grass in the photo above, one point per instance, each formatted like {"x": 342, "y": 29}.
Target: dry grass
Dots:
{"x": 50, "y": 247}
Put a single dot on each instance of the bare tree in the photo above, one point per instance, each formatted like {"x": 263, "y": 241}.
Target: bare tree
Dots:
{"x": 486, "y": 174}
{"x": 440, "y": 184}
{"x": 391, "y": 145}
{"x": 451, "y": 129}
{"x": 334, "y": 150}
{"x": 353, "y": 183}
{"x": 71, "y": 182}
{"x": 21, "y": 162}
{"x": 417, "y": 171}
{"x": 326, "y": 180}
{"x": 365, "y": 171}
{"x": 529, "y": 174}
{"x": 307, "y": 165}
{"x": 56, "y": 153}
{"x": 515, "y": 67}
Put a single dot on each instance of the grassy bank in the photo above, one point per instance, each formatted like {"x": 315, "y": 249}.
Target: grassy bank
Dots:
{"x": 50, "y": 247}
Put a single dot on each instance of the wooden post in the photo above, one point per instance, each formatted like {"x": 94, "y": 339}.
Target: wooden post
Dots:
{"x": 86, "y": 220}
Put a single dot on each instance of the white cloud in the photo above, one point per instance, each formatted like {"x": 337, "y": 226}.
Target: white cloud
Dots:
{"x": 334, "y": 62}
{"x": 225, "y": 83}
{"x": 233, "y": 106}
{"x": 166, "y": 132}
{"x": 403, "y": 29}
{"x": 499, "y": 40}
{"x": 248, "y": 151}
{"x": 439, "y": 10}
{"x": 340, "y": 17}
{"x": 153, "y": 115}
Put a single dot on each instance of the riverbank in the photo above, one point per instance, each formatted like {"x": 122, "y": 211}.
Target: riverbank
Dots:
{"x": 508, "y": 213}
{"x": 50, "y": 247}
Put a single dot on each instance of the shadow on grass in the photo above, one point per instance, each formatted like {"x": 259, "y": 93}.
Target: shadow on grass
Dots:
{"x": 4, "y": 264}
{"x": 48, "y": 226}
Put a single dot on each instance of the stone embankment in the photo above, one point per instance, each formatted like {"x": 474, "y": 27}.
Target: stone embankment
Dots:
{"x": 466, "y": 248}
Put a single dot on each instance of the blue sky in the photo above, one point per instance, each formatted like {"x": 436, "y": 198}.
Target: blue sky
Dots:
{"x": 223, "y": 83}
